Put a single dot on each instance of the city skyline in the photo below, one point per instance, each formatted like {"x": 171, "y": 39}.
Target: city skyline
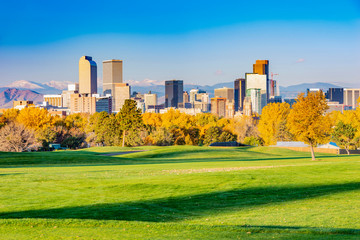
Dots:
{"x": 201, "y": 45}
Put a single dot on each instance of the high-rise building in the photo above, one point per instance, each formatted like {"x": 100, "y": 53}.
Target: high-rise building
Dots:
{"x": 218, "y": 106}
{"x": 82, "y": 103}
{"x": 173, "y": 93}
{"x": 66, "y": 94}
{"x": 224, "y": 92}
{"x": 335, "y": 95}
{"x": 239, "y": 93}
{"x": 351, "y": 95}
{"x": 87, "y": 76}
{"x": 258, "y": 100}
{"x": 122, "y": 92}
{"x": 261, "y": 67}
{"x": 112, "y": 73}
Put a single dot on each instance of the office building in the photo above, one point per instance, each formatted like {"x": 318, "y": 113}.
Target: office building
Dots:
{"x": 224, "y": 92}
{"x": 247, "y": 106}
{"x": 258, "y": 100}
{"x": 90, "y": 104}
{"x": 150, "y": 99}
{"x": 273, "y": 88}
{"x": 218, "y": 106}
{"x": 351, "y": 95}
{"x": 239, "y": 93}
{"x": 193, "y": 93}
{"x": 185, "y": 97}
{"x": 82, "y": 103}
{"x": 335, "y": 95}
{"x": 54, "y": 100}
{"x": 104, "y": 104}
{"x": 261, "y": 67}
{"x": 87, "y": 76}
{"x": 204, "y": 99}
{"x": 258, "y": 82}
{"x": 254, "y": 80}
{"x": 122, "y": 92}
{"x": 173, "y": 93}
{"x": 66, "y": 94}
{"x": 230, "y": 109}
{"x": 112, "y": 74}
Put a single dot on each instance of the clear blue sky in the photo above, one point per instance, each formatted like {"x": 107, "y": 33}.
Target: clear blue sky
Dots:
{"x": 202, "y": 42}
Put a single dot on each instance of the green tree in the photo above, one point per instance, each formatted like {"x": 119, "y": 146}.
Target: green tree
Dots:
{"x": 130, "y": 118}
{"x": 307, "y": 120}
{"x": 344, "y": 136}
{"x": 212, "y": 135}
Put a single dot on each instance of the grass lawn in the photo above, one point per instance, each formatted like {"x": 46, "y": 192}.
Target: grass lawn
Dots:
{"x": 179, "y": 192}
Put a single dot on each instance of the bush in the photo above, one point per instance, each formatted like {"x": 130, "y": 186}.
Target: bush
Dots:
{"x": 253, "y": 141}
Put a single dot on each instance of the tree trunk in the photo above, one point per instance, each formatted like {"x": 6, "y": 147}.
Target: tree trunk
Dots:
{"x": 347, "y": 150}
{"x": 312, "y": 153}
{"x": 123, "y": 142}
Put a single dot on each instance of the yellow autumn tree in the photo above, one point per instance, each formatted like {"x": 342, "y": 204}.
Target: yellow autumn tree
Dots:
{"x": 307, "y": 120}
{"x": 272, "y": 124}
{"x": 11, "y": 114}
{"x": 35, "y": 118}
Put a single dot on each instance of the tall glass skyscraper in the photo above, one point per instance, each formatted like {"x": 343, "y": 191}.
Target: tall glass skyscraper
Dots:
{"x": 174, "y": 93}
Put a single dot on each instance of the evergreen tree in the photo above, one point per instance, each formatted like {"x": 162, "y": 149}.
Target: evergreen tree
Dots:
{"x": 129, "y": 118}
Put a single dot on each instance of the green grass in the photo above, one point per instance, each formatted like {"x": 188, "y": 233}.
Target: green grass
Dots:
{"x": 179, "y": 192}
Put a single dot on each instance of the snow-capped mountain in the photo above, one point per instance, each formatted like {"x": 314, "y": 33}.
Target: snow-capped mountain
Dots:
{"x": 52, "y": 87}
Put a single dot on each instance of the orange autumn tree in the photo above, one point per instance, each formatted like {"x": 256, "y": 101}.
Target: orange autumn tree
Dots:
{"x": 307, "y": 120}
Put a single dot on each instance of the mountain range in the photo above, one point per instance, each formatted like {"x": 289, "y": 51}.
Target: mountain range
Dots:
{"x": 34, "y": 91}
{"x": 9, "y": 95}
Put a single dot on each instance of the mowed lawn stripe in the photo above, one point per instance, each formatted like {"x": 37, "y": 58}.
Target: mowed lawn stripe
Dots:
{"x": 271, "y": 191}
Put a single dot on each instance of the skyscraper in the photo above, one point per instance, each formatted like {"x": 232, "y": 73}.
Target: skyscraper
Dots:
{"x": 261, "y": 67}
{"x": 173, "y": 93}
{"x": 87, "y": 76}
{"x": 239, "y": 93}
{"x": 112, "y": 73}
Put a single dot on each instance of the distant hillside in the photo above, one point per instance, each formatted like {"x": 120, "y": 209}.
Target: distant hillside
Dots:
{"x": 293, "y": 90}
{"x": 9, "y": 95}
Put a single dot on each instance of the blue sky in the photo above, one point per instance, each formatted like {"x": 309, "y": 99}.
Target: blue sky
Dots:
{"x": 201, "y": 42}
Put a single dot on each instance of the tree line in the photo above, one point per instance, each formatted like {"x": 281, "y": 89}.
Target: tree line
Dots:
{"x": 34, "y": 128}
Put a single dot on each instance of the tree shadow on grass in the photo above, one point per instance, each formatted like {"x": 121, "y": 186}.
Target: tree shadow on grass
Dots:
{"x": 84, "y": 158}
{"x": 186, "y": 207}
